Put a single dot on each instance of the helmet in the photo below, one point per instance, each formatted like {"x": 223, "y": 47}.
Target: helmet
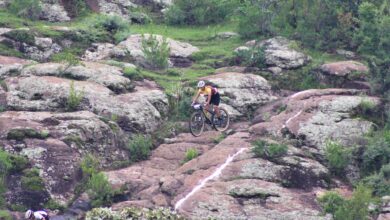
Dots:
{"x": 201, "y": 84}
{"x": 28, "y": 214}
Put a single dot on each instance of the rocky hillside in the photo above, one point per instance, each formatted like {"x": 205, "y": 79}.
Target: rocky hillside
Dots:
{"x": 94, "y": 102}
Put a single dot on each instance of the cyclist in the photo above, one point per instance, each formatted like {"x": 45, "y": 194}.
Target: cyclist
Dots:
{"x": 38, "y": 215}
{"x": 212, "y": 95}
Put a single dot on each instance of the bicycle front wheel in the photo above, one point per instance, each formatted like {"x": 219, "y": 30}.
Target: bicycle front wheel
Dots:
{"x": 196, "y": 123}
{"x": 223, "y": 123}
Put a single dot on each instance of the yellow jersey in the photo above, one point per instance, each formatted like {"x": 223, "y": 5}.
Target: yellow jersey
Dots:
{"x": 208, "y": 90}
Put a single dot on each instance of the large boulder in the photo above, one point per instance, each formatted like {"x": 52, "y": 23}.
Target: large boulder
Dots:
{"x": 106, "y": 75}
{"x": 55, "y": 143}
{"x": 343, "y": 74}
{"x": 179, "y": 55}
{"x": 53, "y": 11}
{"x": 241, "y": 93}
{"x": 316, "y": 116}
{"x": 11, "y": 66}
{"x": 138, "y": 111}
{"x": 279, "y": 53}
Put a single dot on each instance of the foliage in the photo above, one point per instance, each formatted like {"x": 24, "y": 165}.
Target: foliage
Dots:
{"x": 75, "y": 8}
{"x": 219, "y": 138}
{"x": 156, "y": 51}
{"x": 31, "y": 180}
{"x": 132, "y": 213}
{"x": 132, "y": 73}
{"x": 21, "y": 35}
{"x": 99, "y": 189}
{"x": 66, "y": 57}
{"x": 264, "y": 149}
{"x": 331, "y": 201}
{"x": 26, "y": 8}
{"x": 191, "y": 154}
{"x": 337, "y": 156}
{"x": 7, "y": 50}
{"x": 253, "y": 57}
{"x": 355, "y": 208}
{"x": 380, "y": 183}
{"x": 89, "y": 165}
{"x": 180, "y": 99}
{"x": 255, "y": 18}
{"x": 139, "y": 147}
{"x": 74, "y": 98}
{"x": 380, "y": 77}
{"x": 21, "y": 133}
{"x": 377, "y": 152}
{"x": 53, "y": 205}
{"x": 167, "y": 130}
{"x": 5, "y": 215}
{"x": 200, "y": 12}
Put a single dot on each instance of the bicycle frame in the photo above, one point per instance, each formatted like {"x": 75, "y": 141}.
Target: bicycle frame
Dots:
{"x": 200, "y": 107}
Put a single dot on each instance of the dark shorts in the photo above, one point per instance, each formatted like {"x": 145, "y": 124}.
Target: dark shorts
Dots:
{"x": 215, "y": 99}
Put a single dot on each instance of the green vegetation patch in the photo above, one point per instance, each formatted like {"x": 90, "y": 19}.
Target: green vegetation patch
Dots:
{"x": 139, "y": 147}
{"x": 20, "y": 134}
{"x": 338, "y": 157}
{"x": 31, "y": 180}
{"x": 191, "y": 153}
{"x": 267, "y": 150}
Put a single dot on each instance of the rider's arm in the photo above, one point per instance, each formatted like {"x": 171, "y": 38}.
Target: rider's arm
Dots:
{"x": 196, "y": 97}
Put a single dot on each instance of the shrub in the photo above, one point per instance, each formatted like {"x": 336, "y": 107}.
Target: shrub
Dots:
{"x": 256, "y": 19}
{"x": 156, "y": 52}
{"x": 132, "y": 73}
{"x": 190, "y": 154}
{"x": 139, "y": 148}
{"x": 337, "y": 156}
{"x": 268, "y": 150}
{"x": 379, "y": 183}
{"x": 66, "y": 57}
{"x": 26, "y": 8}
{"x": 331, "y": 201}
{"x": 200, "y": 12}
{"x": 75, "y": 8}
{"x": 21, "y": 35}
{"x": 74, "y": 98}
{"x": 89, "y": 165}
{"x": 5, "y": 215}
{"x": 254, "y": 57}
{"x": 31, "y": 180}
{"x": 180, "y": 100}
{"x": 376, "y": 154}
{"x": 99, "y": 189}
{"x": 355, "y": 208}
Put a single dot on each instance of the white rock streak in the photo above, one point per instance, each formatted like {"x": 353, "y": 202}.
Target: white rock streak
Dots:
{"x": 216, "y": 173}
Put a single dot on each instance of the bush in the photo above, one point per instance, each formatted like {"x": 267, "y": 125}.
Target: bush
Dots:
{"x": 268, "y": 150}
{"x": 254, "y": 57}
{"x": 331, "y": 201}
{"x": 89, "y": 165}
{"x": 66, "y": 57}
{"x": 74, "y": 98}
{"x": 156, "y": 52}
{"x": 376, "y": 154}
{"x": 180, "y": 100}
{"x": 355, "y": 208}
{"x": 26, "y": 8}
{"x": 132, "y": 73}
{"x": 75, "y": 8}
{"x": 200, "y": 12}
{"x": 190, "y": 154}
{"x": 31, "y": 181}
{"x": 256, "y": 19}
{"x": 99, "y": 189}
{"x": 5, "y": 215}
{"x": 24, "y": 36}
{"x": 337, "y": 157}
{"x": 139, "y": 148}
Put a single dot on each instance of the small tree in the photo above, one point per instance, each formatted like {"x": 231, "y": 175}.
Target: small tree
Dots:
{"x": 74, "y": 98}
{"x": 156, "y": 51}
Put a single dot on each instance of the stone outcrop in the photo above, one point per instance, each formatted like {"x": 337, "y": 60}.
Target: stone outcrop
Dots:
{"x": 11, "y": 66}
{"x": 315, "y": 116}
{"x": 278, "y": 52}
{"x": 343, "y": 74}
{"x": 59, "y": 143}
{"x": 248, "y": 187}
{"x": 53, "y": 11}
{"x": 140, "y": 110}
{"x": 241, "y": 93}
{"x": 106, "y": 75}
{"x": 131, "y": 48}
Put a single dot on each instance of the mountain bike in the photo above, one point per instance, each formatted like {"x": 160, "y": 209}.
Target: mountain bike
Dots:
{"x": 200, "y": 117}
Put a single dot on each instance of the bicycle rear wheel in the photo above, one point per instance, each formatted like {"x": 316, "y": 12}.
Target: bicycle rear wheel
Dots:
{"x": 196, "y": 123}
{"x": 223, "y": 124}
